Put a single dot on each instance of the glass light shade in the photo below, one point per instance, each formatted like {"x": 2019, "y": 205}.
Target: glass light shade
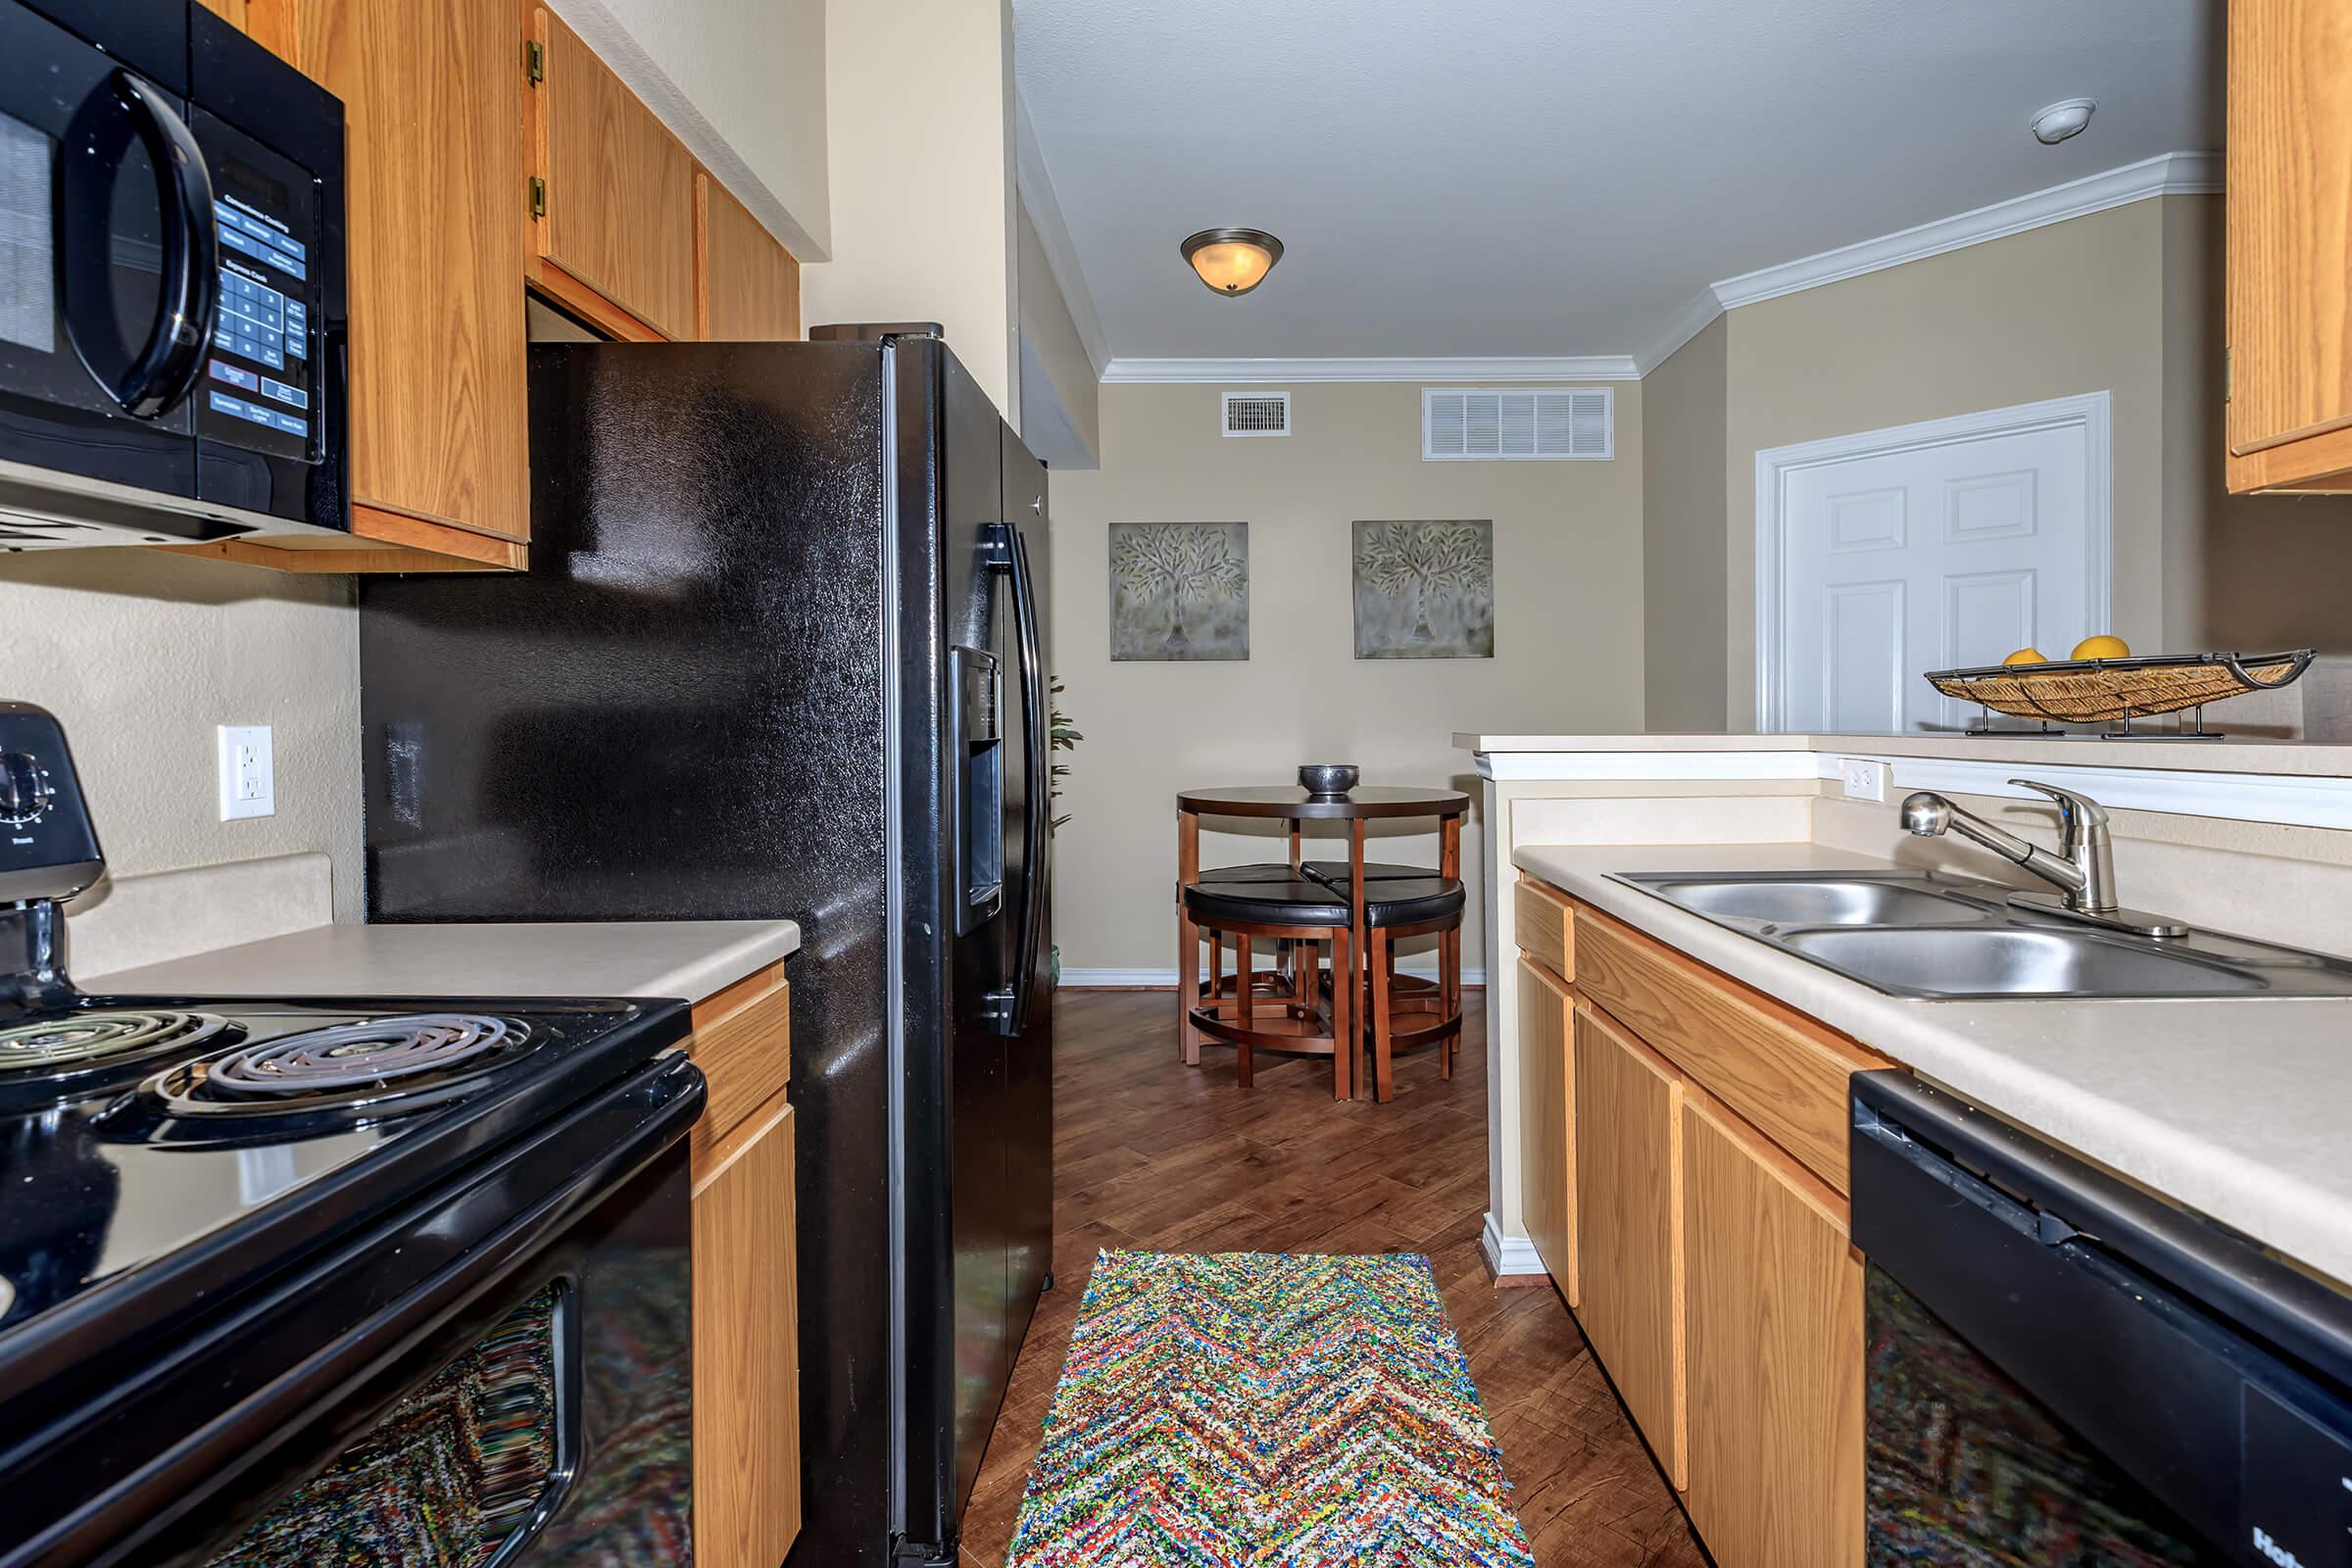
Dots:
{"x": 1232, "y": 261}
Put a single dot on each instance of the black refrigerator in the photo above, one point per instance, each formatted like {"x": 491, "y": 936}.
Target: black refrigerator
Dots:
{"x": 781, "y": 653}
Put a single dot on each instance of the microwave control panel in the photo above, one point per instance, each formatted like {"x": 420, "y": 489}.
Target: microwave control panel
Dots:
{"x": 259, "y": 390}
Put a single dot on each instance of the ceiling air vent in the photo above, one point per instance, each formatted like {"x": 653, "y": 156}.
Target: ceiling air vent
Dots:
{"x": 1258, "y": 413}
{"x": 1496, "y": 425}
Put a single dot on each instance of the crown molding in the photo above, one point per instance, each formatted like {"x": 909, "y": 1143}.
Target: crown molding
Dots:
{"x": 1695, "y": 317}
{"x": 1036, "y": 185}
{"x": 2165, "y": 175}
{"x": 1475, "y": 371}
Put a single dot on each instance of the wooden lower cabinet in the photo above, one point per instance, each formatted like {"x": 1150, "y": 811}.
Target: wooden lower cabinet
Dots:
{"x": 1772, "y": 1351}
{"x": 747, "y": 1374}
{"x": 1629, "y": 1223}
{"x": 1546, "y": 1120}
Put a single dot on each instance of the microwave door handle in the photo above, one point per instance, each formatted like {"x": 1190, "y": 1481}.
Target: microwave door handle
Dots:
{"x": 168, "y": 365}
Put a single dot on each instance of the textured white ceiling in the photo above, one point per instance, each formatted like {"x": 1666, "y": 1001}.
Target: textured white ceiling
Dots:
{"x": 1457, "y": 178}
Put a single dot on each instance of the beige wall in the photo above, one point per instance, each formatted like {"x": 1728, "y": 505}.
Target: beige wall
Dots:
{"x": 142, "y": 654}
{"x": 919, "y": 142}
{"x": 1683, "y": 508}
{"x": 2068, "y": 308}
{"x": 1567, "y": 632}
{"x": 2126, "y": 301}
{"x": 743, "y": 82}
{"x": 1061, "y": 416}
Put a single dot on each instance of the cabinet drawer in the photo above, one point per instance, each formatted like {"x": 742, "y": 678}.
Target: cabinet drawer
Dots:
{"x": 1545, "y": 932}
{"x": 742, "y": 1043}
{"x": 1629, "y": 1226}
{"x": 1769, "y": 1063}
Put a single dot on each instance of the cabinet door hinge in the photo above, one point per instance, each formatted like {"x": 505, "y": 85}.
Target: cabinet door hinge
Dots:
{"x": 538, "y": 197}
{"x": 2229, "y": 374}
{"x": 534, "y": 62}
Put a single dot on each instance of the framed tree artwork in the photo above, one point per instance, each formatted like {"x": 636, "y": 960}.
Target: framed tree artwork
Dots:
{"x": 1425, "y": 589}
{"x": 1179, "y": 590}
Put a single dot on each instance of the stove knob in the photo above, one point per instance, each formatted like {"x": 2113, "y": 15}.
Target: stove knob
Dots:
{"x": 23, "y": 792}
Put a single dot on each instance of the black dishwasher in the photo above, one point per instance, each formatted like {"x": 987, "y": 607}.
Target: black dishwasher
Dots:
{"x": 2067, "y": 1372}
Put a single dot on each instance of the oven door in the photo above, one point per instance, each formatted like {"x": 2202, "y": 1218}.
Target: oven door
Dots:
{"x": 500, "y": 1374}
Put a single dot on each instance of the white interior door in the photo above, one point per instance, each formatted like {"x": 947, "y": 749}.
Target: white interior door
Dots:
{"x": 1925, "y": 548}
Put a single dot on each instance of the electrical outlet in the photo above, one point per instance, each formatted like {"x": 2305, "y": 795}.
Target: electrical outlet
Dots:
{"x": 248, "y": 772}
{"x": 1865, "y": 780}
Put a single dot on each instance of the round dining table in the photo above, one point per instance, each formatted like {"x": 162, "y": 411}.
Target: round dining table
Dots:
{"x": 1288, "y": 802}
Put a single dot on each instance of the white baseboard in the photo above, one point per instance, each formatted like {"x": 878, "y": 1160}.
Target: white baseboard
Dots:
{"x": 1166, "y": 979}
{"x": 1508, "y": 1255}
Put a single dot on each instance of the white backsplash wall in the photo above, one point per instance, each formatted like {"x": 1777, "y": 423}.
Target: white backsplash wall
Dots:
{"x": 142, "y": 654}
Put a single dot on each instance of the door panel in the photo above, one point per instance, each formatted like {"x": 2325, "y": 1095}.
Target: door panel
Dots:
{"x": 1775, "y": 1354}
{"x": 620, "y": 187}
{"x": 1029, "y": 1073}
{"x": 1629, "y": 1223}
{"x": 976, "y": 606}
{"x": 747, "y": 1394}
{"x": 430, "y": 100}
{"x": 1548, "y": 1122}
{"x": 2289, "y": 294}
{"x": 1925, "y": 557}
{"x": 747, "y": 286}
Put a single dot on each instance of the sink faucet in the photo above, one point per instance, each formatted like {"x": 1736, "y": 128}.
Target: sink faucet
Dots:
{"x": 2084, "y": 869}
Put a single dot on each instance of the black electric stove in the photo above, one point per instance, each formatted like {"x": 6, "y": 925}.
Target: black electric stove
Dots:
{"x": 266, "y": 1265}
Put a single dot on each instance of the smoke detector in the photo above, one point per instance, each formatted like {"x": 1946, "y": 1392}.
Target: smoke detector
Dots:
{"x": 2061, "y": 120}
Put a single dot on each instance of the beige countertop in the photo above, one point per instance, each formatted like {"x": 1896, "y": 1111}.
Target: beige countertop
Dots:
{"x": 688, "y": 960}
{"x": 2198, "y": 757}
{"x": 2233, "y": 1107}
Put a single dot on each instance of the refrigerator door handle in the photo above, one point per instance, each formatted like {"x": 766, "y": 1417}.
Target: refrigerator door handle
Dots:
{"x": 1008, "y": 553}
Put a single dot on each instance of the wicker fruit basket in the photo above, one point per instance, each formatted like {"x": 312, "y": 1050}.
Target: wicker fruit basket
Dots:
{"x": 2086, "y": 690}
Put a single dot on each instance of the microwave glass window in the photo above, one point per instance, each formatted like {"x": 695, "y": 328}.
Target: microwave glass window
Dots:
{"x": 27, "y": 239}
{"x": 134, "y": 256}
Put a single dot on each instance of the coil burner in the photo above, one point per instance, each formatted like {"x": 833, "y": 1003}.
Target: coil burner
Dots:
{"x": 378, "y": 1066}
{"x": 73, "y": 1041}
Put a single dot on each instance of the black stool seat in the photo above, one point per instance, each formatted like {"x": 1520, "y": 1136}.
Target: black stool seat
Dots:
{"x": 1294, "y": 900}
{"x": 1374, "y": 871}
{"x": 1411, "y": 901}
{"x": 1262, "y": 871}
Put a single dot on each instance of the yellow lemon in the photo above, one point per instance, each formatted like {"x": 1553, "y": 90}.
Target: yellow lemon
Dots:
{"x": 2103, "y": 646}
{"x": 2026, "y": 655}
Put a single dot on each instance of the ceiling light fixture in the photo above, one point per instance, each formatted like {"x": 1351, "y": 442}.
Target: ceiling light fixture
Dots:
{"x": 1233, "y": 261}
{"x": 2060, "y": 120}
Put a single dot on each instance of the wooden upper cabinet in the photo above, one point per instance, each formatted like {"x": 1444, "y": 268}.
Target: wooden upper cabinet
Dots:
{"x": 1775, "y": 1351}
{"x": 618, "y": 187}
{"x": 2288, "y": 287}
{"x": 747, "y": 286}
{"x": 1629, "y": 1225}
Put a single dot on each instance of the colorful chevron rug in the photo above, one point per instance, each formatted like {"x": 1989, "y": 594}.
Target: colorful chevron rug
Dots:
{"x": 1256, "y": 1408}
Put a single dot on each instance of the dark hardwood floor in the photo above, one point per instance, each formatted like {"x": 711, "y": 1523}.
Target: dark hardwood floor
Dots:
{"x": 1150, "y": 1154}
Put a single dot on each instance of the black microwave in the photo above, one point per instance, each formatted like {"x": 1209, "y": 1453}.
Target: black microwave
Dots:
{"x": 173, "y": 319}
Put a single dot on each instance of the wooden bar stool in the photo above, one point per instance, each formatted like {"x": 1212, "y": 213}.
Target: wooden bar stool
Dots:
{"x": 1270, "y": 1009}
{"x": 1408, "y": 1012}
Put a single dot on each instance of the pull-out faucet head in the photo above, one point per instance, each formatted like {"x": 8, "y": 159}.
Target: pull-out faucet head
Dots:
{"x": 1925, "y": 813}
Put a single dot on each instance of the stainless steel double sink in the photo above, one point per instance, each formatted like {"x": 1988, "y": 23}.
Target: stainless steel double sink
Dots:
{"x": 1918, "y": 933}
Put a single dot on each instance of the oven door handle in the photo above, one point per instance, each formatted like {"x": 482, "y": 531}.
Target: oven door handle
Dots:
{"x": 166, "y": 368}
